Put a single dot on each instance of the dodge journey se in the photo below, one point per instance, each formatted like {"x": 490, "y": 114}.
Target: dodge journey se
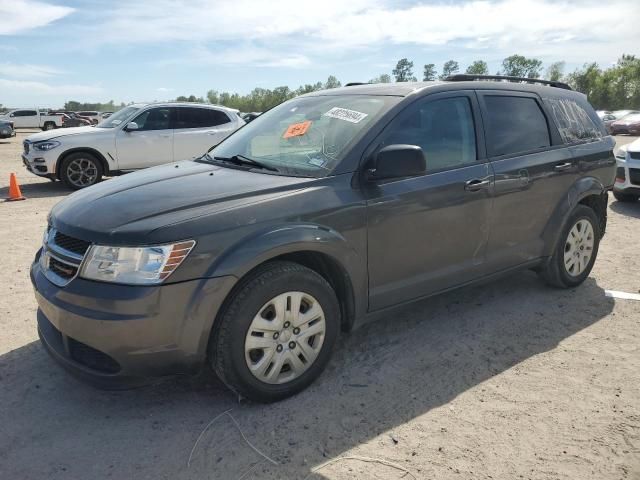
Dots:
{"x": 320, "y": 213}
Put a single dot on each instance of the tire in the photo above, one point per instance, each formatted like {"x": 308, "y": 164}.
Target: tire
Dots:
{"x": 49, "y": 126}
{"x": 562, "y": 274}
{"x": 625, "y": 197}
{"x": 80, "y": 170}
{"x": 253, "y": 306}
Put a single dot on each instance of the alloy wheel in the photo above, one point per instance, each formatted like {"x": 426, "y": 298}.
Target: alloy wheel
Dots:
{"x": 82, "y": 172}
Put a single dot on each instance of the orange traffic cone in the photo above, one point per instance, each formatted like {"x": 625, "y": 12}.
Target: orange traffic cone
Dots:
{"x": 14, "y": 189}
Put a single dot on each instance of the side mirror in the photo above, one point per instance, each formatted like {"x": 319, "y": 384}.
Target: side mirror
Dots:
{"x": 131, "y": 126}
{"x": 396, "y": 161}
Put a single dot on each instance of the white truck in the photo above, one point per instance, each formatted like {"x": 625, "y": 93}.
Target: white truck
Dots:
{"x": 32, "y": 118}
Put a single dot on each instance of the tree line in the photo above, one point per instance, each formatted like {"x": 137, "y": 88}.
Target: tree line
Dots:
{"x": 613, "y": 88}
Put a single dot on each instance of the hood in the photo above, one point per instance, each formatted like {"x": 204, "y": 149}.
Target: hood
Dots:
{"x": 65, "y": 132}
{"x": 130, "y": 208}
{"x": 626, "y": 122}
{"x": 631, "y": 147}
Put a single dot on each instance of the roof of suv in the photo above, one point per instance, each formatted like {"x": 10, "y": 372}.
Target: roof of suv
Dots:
{"x": 403, "y": 89}
{"x": 185, "y": 104}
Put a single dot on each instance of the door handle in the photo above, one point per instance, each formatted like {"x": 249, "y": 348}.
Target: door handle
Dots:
{"x": 561, "y": 167}
{"x": 212, "y": 133}
{"x": 477, "y": 184}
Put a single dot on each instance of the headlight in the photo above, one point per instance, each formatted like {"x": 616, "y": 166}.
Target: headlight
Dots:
{"x": 621, "y": 156}
{"x": 46, "y": 146}
{"x": 134, "y": 265}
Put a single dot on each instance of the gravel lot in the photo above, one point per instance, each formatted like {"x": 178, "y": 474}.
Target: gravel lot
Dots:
{"x": 507, "y": 380}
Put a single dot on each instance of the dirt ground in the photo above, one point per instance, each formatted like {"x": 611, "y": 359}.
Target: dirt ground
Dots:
{"x": 507, "y": 380}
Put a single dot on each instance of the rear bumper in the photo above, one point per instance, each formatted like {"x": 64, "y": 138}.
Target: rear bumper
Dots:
{"x": 117, "y": 336}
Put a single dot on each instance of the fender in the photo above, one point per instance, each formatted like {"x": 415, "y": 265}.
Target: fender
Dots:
{"x": 252, "y": 251}
{"x": 93, "y": 151}
{"x": 582, "y": 188}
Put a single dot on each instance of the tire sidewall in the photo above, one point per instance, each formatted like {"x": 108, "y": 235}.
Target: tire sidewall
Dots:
{"x": 74, "y": 156}
{"x": 580, "y": 213}
{"x": 241, "y": 314}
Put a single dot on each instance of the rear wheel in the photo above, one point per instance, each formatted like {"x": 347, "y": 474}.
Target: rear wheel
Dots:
{"x": 49, "y": 126}
{"x": 80, "y": 170}
{"x": 625, "y": 197}
{"x": 277, "y": 333}
{"x": 576, "y": 251}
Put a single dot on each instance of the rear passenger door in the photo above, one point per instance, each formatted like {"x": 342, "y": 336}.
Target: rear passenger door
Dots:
{"x": 533, "y": 171}
{"x": 429, "y": 233}
{"x": 198, "y": 129}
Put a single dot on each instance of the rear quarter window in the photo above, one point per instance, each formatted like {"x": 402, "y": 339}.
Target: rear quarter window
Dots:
{"x": 514, "y": 125}
{"x": 573, "y": 122}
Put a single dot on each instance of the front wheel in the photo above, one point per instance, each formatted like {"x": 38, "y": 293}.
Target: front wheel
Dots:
{"x": 576, "y": 251}
{"x": 277, "y": 332}
{"x": 80, "y": 170}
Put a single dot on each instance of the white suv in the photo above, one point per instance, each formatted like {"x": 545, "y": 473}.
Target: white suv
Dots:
{"x": 627, "y": 185}
{"x": 138, "y": 136}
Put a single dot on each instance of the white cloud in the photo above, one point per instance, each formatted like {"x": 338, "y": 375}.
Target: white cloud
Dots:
{"x": 9, "y": 87}
{"x": 20, "y": 15}
{"x": 286, "y": 34}
{"x": 164, "y": 89}
{"x": 26, "y": 71}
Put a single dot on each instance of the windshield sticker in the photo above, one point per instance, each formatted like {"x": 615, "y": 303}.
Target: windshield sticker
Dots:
{"x": 346, "y": 114}
{"x": 297, "y": 129}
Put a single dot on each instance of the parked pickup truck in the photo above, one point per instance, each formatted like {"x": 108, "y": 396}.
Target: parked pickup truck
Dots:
{"x": 26, "y": 118}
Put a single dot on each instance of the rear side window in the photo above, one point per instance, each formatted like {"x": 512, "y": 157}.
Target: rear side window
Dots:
{"x": 444, "y": 129}
{"x": 573, "y": 121}
{"x": 200, "y": 118}
{"x": 515, "y": 125}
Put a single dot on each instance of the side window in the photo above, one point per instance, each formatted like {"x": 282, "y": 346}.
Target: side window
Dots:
{"x": 573, "y": 121}
{"x": 444, "y": 129}
{"x": 515, "y": 125}
{"x": 154, "y": 119}
{"x": 200, "y": 118}
{"x": 25, "y": 113}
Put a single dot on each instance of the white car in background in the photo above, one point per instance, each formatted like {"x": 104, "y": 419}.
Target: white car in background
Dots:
{"x": 32, "y": 118}
{"x": 627, "y": 185}
{"x": 93, "y": 116}
{"x": 138, "y": 136}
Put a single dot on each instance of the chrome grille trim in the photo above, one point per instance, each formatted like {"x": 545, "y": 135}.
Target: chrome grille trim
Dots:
{"x": 50, "y": 250}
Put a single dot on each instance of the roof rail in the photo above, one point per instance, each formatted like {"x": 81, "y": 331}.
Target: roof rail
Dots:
{"x": 353, "y": 84}
{"x": 463, "y": 77}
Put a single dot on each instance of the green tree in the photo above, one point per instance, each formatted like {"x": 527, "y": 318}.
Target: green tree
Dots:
{"x": 332, "y": 82}
{"x": 213, "y": 97}
{"x": 384, "y": 78}
{"x": 404, "y": 71}
{"x": 430, "y": 73}
{"x": 450, "y": 67}
{"x": 520, "y": 66}
{"x": 479, "y": 67}
{"x": 555, "y": 71}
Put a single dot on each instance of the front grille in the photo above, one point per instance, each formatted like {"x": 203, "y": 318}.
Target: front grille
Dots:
{"x": 634, "y": 175}
{"x": 92, "y": 358}
{"x": 634, "y": 155}
{"x": 62, "y": 269}
{"x": 74, "y": 245}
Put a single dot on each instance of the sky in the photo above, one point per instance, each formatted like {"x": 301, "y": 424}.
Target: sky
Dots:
{"x": 52, "y": 51}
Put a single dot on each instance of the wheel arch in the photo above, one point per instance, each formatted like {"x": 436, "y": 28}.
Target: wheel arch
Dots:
{"x": 587, "y": 191}
{"x": 92, "y": 151}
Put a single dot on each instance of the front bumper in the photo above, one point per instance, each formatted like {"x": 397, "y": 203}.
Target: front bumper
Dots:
{"x": 7, "y": 132}
{"x": 40, "y": 163}
{"x": 117, "y": 336}
{"x": 627, "y": 175}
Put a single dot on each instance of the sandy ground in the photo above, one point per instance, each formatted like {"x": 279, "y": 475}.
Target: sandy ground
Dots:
{"x": 503, "y": 381}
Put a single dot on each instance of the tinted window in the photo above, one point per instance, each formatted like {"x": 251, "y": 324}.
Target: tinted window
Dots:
{"x": 443, "y": 128}
{"x": 154, "y": 119}
{"x": 515, "y": 125}
{"x": 25, "y": 113}
{"x": 200, "y": 118}
{"x": 573, "y": 122}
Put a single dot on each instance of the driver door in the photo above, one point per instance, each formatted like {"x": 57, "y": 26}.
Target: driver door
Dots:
{"x": 151, "y": 144}
{"x": 429, "y": 233}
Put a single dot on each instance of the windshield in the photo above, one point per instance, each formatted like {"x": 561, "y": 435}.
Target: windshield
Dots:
{"x": 118, "y": 117}
{"x": 306, "y": 136}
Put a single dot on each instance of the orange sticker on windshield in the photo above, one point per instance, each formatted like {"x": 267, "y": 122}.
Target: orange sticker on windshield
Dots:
{"x": 297, "y": 129}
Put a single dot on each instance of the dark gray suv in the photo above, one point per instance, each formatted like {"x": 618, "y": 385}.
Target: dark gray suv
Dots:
{"x": 322, "y": 211}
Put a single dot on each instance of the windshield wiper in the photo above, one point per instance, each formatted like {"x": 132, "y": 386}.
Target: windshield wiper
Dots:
{"x": 242, "y": 160}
